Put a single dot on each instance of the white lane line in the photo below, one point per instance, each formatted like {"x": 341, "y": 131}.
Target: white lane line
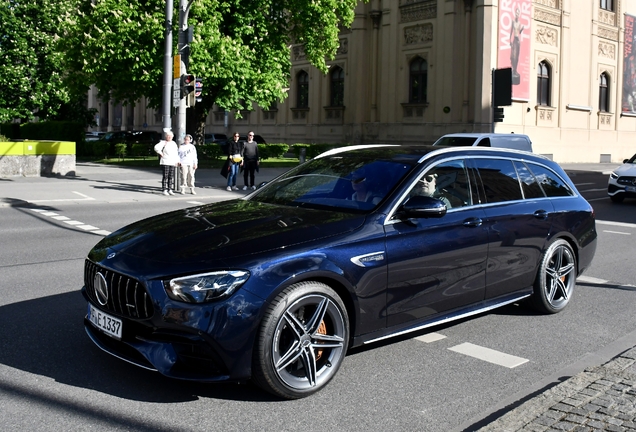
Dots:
{"x": 595, "y": 199}
{"x": 74, "y": 223}
{"x": 84, "y": 198}
{"x": 619, "y": 224}
{"x": 617, "y": 232}
{"x": 582, "y": 184}
{"x": 489, "y": 355}
{"x": 590, "y": 279}
{"x": 195, "y": 202}
{"x": 430, "y": 337}
{"x": 593, "y": 190}
{"x": 87, "y": 227}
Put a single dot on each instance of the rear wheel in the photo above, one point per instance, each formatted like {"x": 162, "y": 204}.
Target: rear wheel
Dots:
{"x": 556, "y": 278}
{"x": 618, "y": 198}
{"x": 302, "y": 341}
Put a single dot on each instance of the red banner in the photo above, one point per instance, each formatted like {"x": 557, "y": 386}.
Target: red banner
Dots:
{"x": 629, "y": 67}
{"x": 515, "y": 20}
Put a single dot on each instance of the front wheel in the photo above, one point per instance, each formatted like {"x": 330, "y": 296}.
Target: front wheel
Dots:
{"x": 556, "y": 278}
{"x": 302, "y": 341}
{"x": 617, "y": 198}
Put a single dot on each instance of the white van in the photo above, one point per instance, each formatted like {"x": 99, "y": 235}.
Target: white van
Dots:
{"x": 511, "y": 141}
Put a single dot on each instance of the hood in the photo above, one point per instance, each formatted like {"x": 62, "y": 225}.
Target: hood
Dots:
{"x": 223, "y": 231}
{"x": 627, "y": 169}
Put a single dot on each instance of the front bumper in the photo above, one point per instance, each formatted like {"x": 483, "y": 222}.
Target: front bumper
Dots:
{"x": 220, "y": 349}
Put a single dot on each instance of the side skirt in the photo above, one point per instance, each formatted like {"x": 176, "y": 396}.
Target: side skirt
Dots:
{"x": 440, "y": 319}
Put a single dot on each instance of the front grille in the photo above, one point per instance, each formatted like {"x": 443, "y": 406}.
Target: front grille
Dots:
{"x": 127, "y": 297}
{"x": 630, "y": 181}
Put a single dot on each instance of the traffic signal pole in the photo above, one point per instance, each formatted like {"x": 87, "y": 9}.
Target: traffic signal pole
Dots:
{"x": 167, "y": 70}
{"x": 183, "y": 49}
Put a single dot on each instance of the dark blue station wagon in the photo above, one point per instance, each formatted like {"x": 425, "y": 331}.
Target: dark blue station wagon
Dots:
{"x": 357, "y": 245}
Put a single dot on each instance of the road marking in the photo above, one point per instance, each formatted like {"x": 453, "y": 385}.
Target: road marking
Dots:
{"x": 617, "y": 232}
{"x": 590, "y": 279}
{"x": 620, "y": 224}
{"x": 583, "y": 184}
{"x": 593, "y": 190}
{"x": 489, "y": 355}
{"x": 595, "y": 199}
{"x": 84, "y": 198}
{"x": 430, "y": 337}
{"x": 195, "y": 202}
{"x": 73, "y": 223}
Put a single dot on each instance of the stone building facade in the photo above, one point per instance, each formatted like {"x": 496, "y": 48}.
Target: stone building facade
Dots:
{"x": 409, "y": 71}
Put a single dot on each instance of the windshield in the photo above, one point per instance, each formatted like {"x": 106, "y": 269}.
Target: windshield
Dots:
{"x": 455, "y": 141}
{"x": 342, "y": 181}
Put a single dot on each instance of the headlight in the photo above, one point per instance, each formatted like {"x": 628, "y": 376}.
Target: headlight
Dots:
{"x": 206, "y": 287}
{"x": 614, "y": 175}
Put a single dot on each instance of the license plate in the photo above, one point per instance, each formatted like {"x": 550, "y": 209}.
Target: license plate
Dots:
{"x": 104, "y": 322}
{"x": 630, "y": 188}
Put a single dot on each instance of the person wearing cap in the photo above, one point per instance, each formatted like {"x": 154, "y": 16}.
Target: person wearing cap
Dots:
{"x": 169, "y": 158}
{"x": 362, "y": 189}
{"x": 188, "y": 162}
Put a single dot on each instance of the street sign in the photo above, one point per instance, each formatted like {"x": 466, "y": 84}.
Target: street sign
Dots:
{"x": 176, "y": 69}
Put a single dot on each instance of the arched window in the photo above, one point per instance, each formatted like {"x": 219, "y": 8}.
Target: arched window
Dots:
{"x": 543, "y": 84}
{"x": 302, "y": 90}
{"x": 603, "y": 93}
{"x": 418, "y": 76}
{"x": 337, "y": 87}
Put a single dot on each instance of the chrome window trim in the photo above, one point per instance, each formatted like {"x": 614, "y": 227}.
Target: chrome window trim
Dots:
{"x": 389, "y": 218}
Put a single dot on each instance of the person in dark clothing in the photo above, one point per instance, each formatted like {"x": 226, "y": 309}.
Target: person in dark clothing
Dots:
{"x": 250, "y": 161}
{"x": 235, "y": 160}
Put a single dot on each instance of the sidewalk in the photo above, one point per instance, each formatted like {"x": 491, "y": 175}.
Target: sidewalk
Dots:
{"x": 601, "y": 398}
{"x": 110, "y": 184}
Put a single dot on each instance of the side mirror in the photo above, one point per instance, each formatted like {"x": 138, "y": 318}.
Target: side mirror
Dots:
{"x": 625, "y": 160}
{"x": 422, "y": 207}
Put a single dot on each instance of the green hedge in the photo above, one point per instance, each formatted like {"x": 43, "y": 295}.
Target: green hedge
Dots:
{"x": 53, "y": 130}
{"x": 266, "y": 151}
{"x": 313, "y": 150}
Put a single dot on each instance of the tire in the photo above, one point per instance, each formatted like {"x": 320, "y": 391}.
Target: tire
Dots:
{"x": 556, "y": 278}
{"x": 618, "y": 198}
{"x": 302, "y": 341}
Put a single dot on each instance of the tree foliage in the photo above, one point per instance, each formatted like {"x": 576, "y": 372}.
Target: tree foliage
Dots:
{"x": 31, "y": 77}
{"x": 241, "y": 48}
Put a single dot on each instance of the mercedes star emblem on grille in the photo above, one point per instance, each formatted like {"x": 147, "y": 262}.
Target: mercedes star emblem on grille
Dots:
{"x": 101, "y": 288}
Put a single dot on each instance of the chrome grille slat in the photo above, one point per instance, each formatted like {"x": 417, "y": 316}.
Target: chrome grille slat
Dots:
{"x": 122, "y": 291}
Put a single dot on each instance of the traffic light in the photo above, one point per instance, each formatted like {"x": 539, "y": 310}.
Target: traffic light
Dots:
{"x": 187, "y": 85}
{"x": 198, "y": 89}
{"x": 498, "y": 114}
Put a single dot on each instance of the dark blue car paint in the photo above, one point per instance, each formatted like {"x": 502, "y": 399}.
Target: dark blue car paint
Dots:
{"x": 424, "y": 271}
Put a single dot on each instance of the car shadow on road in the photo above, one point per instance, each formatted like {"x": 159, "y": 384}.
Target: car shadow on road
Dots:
{"x": 46, "y": 337}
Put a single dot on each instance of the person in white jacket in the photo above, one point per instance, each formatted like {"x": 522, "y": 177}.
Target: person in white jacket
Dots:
{"x": 169, "y": 159}
{"x": 189, "y": 162}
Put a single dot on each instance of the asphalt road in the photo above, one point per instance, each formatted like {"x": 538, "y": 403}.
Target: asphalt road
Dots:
{"x": 53, "y": 378}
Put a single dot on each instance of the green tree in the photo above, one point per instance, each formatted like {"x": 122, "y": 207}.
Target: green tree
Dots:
{"x": 31, "y": 77}
{"x": 240, "y": 47}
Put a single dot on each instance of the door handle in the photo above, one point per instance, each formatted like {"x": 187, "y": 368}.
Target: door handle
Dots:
{"x": 541, "y": 214}
{"x": 473, "y": 222}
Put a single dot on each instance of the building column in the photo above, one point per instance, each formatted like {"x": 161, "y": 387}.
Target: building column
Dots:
{"x": 376, "y": 16}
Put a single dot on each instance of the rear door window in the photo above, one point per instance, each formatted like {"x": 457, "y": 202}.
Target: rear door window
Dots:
{"x": 552, "y": 184}
{"x": 499, "y": 180}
